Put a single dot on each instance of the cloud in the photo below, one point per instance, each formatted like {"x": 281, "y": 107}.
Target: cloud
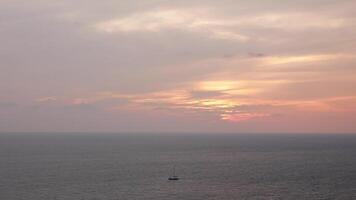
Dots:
{"x": 46, "y": 99}
{"x": 238, "y": 117}
{"x": 220, "y": 27}
{"x": 79, "y": 101}
{"x": 278, "y": 60}
{"x": 292, "y": 21}
{"x": 185, "y": 65}
{"x": 206, "y": 94}
{"x": 165, "y": 19}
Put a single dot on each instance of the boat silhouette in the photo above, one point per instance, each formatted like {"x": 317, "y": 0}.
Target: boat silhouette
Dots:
{"x": 173, "y": 176}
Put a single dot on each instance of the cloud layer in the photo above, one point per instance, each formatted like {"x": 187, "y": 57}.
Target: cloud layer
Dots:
{"x": 178, "y": 66}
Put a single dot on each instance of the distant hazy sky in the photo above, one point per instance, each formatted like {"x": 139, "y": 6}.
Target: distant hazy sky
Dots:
{"x": 178, "y": 65}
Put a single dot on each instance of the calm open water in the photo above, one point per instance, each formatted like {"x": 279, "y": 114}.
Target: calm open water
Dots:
{"x": 118, "y": 167}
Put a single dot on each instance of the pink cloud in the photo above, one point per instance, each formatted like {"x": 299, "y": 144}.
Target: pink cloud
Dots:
{"x": 79, "y": 101}
{"x": 46, "y": 99}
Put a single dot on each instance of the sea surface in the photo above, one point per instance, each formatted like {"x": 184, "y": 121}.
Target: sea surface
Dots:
{"x": 102, "y": 166}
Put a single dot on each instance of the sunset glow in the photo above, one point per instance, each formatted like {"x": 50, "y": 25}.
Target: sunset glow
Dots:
{"x": 192, "y": 67}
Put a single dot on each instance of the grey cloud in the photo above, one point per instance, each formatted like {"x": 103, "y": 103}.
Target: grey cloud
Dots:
{"x": 51, "y": 48}
{"x": 206, "y": 94}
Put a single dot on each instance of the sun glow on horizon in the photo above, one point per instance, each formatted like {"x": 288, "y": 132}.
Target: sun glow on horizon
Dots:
{"x": 167, "y": 65}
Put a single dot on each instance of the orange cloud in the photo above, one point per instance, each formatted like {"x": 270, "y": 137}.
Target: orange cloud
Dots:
{"x": 219, "y": 98}
{"x": 238, "y": 117}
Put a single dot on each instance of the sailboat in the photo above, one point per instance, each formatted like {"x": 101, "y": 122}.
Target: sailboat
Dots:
{"x": 173, "y": 177}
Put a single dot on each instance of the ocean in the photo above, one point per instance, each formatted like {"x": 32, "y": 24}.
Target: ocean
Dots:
{"x": 103, "y": 166}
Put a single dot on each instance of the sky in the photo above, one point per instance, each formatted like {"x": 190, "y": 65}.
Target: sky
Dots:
{"x": 236, "y": 66}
